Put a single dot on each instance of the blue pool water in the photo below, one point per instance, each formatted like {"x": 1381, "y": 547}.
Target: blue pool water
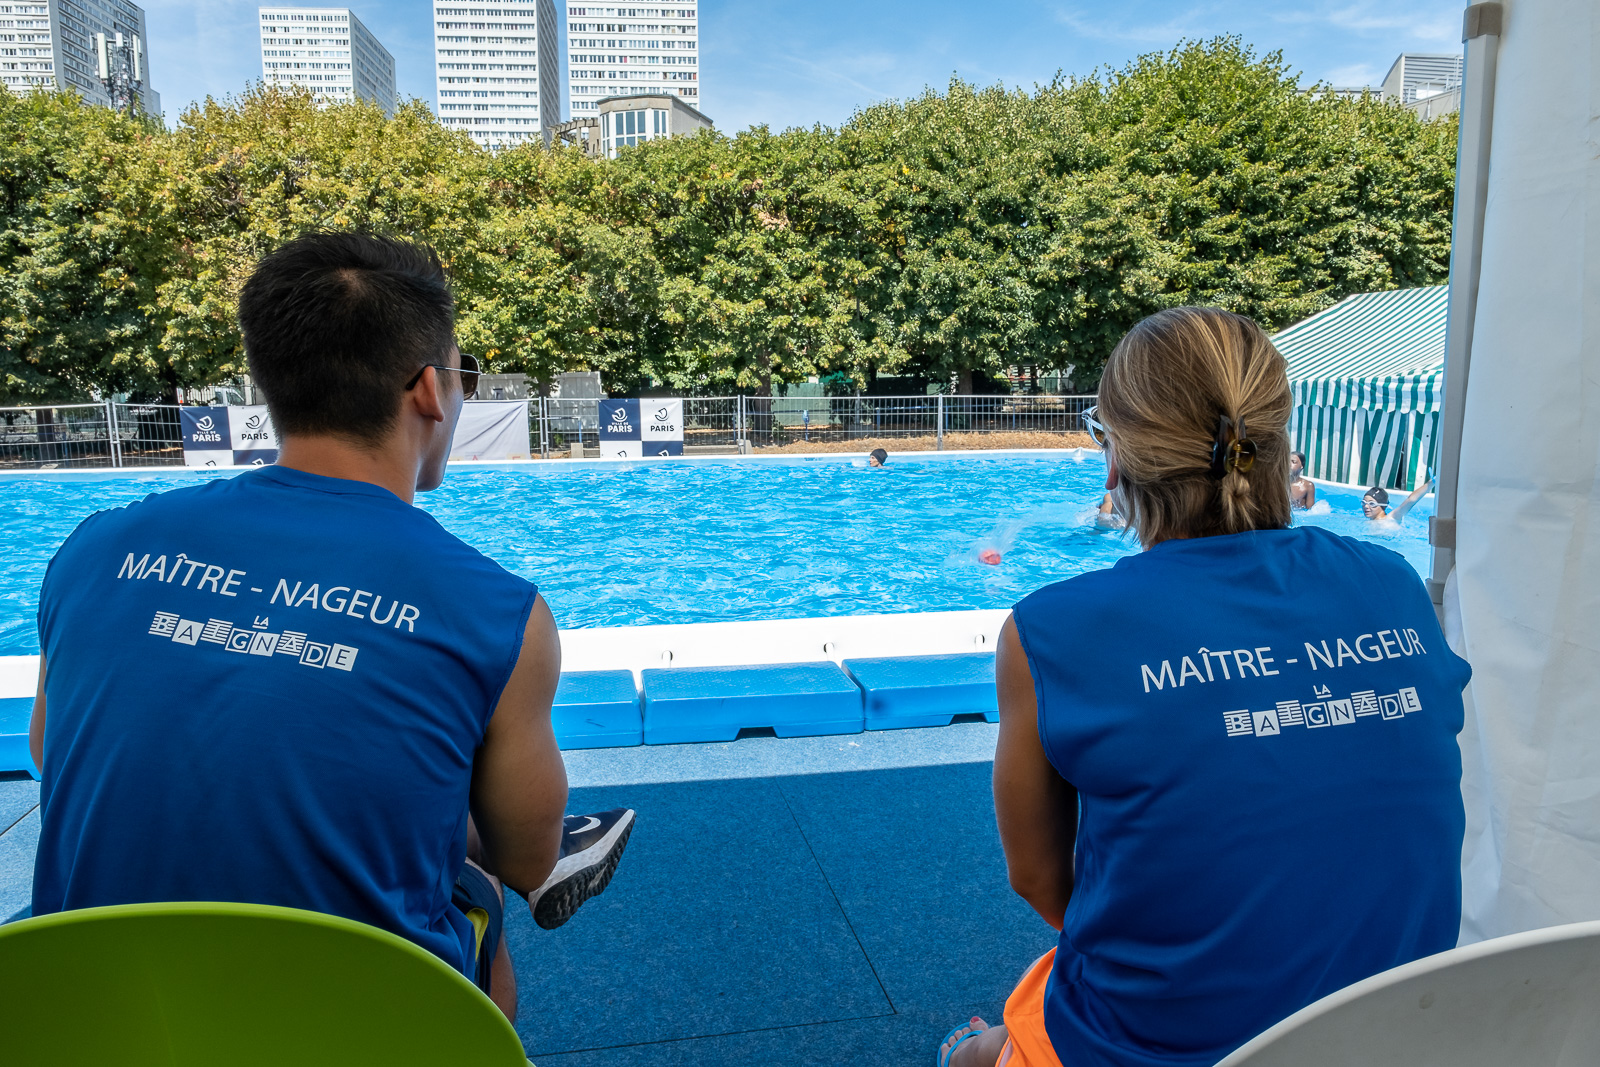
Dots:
{"x": 702, "y": 542}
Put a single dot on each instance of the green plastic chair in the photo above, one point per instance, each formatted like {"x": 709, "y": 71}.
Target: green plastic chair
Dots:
{"x": 235, "y": 985}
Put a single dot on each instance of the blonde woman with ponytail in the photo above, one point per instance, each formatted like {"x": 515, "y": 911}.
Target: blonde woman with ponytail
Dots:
{"x": 1227, "y": 771}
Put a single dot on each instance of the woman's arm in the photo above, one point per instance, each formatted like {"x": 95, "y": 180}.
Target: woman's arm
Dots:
{"x": 1036, "y": 808}
{"x": 1399, "y": 513}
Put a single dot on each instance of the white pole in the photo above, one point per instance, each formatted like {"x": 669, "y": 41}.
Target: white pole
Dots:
{"x": 112, "y": 433}
{"x": 1481, "y": 32}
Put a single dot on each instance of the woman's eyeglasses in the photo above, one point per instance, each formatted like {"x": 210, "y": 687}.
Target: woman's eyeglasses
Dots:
{"x": 469, "y": 371}
{"x": 1094, "y": 427}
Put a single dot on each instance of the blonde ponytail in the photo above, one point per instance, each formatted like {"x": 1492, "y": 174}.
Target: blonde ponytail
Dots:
{"x": 1197, "y": 403}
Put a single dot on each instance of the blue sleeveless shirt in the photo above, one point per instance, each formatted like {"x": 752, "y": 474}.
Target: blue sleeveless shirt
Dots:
{"x": 1262, "y": 731}
{"x": 269, "y": 689}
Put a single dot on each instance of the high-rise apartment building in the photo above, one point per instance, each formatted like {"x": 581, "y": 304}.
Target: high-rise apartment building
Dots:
{"x": 328, "y": 51}
{"x": 618, "y": 51}
{"x": 1417, "y": 75}
{"x": 56, "y": 45}
{"x": 497, "y": 69}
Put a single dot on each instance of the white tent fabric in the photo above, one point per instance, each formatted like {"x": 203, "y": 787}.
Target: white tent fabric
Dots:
{"x": 492, "y": 430}
{"x": 1524, "y": 599}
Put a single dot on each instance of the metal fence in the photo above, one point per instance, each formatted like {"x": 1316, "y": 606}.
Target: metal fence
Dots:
{"x": 91, "y": 435}
{"x": 739, "y": 423}
{"x": 147, "y": 435}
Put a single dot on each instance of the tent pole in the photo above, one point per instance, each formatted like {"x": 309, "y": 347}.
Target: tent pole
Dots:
{"x": 1481, "y": 35}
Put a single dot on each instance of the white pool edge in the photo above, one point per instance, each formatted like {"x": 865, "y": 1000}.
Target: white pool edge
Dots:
{"x": 723, "y": 644}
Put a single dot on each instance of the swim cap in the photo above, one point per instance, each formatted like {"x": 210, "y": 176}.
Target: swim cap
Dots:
{"x": 1376, "y": 495}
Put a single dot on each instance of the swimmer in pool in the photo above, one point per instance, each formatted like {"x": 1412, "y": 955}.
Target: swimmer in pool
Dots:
{"x": 1302, "y": 491}
{"x": 1375, "y": 504}
{"x": 1107, "y": 518}
{"x": 877, "y": 457}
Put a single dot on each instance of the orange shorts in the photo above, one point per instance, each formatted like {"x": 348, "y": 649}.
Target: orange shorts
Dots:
{"x": 1027, "y": 1044}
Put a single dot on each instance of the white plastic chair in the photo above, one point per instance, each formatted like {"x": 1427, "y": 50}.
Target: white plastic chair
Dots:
{"x": 1528, "y": 1000}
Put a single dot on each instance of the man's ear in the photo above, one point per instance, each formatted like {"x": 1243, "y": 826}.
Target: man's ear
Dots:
{"x": 424, "y": 396}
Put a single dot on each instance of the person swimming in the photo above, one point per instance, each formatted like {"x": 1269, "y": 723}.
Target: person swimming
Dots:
{"x": 877, "y": 458}
{"x": 1106, "y": 518}
{"x": 1302, "y": 490}
{"x": 1375, "y": 503}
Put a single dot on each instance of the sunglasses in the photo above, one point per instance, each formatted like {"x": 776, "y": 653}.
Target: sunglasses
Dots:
{"x": 1096, "y": 429}
{"x": 469, "y": 371}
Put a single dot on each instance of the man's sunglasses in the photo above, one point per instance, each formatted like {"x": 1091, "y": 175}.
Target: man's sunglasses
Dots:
{"x": 469, "y": 371}
{"x": 1095, "y": 428}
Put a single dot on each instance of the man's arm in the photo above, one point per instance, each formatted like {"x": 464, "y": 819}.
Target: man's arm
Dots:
{"x": 1399, "y": 513}
{"x": 519, "y": 784}
{"x": 36, "y": 724}
{"x": 1036, "y": 808}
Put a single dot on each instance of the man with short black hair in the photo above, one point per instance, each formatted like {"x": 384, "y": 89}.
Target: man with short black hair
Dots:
{"x": 291, "y": 686}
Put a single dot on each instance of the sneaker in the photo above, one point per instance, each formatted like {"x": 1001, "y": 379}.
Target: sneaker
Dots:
{"x": 591, "y": 845}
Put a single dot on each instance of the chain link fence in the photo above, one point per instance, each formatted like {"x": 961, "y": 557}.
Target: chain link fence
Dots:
{"x": 151, "y": 435}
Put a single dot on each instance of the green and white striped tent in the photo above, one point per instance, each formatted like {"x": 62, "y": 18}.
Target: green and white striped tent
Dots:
{"x": 1368, "y": 380}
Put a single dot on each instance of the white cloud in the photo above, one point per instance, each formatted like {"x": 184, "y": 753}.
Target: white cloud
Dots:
{"x": 1185, "y": 24}
{"x": 1354, "y": 74}
{"x": 1435, "y": 23}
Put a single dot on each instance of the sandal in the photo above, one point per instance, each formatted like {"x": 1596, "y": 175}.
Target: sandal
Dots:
{"x": 943, "y": 1059}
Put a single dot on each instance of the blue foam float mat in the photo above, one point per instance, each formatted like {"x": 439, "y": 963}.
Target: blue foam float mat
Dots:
{"x": 714, "y": 703}
{"x": 597, "y": 709}
{"x": 15, "y": 714}
{"x": 904, "y": 691}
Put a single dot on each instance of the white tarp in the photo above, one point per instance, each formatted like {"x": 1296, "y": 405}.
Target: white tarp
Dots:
{"x": 492, "y": 429}
{"x": 1525, "y": 595}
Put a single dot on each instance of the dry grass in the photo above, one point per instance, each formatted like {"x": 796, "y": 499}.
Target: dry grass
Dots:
{"x": 952, "y": 442}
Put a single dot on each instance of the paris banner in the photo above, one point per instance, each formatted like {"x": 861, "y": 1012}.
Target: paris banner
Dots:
{"x": 228, "y": 436}
{"x": 633, "y": 428}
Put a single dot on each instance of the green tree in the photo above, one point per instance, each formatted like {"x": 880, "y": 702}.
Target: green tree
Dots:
{"x": 86, "y": 235}
{"x": 255, "y": 171}
{"x": 949, "y": 236}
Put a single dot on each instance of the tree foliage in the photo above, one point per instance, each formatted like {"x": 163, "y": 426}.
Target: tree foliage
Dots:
{"x": 948, "y": 236}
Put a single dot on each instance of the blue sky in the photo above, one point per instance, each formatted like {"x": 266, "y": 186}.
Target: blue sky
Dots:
{"x": 791, "y": 63}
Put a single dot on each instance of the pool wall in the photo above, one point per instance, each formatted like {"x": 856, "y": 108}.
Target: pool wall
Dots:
{"x": 636, "y": 649}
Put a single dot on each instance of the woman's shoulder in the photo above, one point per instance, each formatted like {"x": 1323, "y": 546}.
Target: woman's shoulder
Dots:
{"x": 1087, "y": 593}
{"x": 1339, "y": 549}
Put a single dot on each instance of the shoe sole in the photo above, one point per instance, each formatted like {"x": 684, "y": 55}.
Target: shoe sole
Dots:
{"x": 578, "y": 878}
